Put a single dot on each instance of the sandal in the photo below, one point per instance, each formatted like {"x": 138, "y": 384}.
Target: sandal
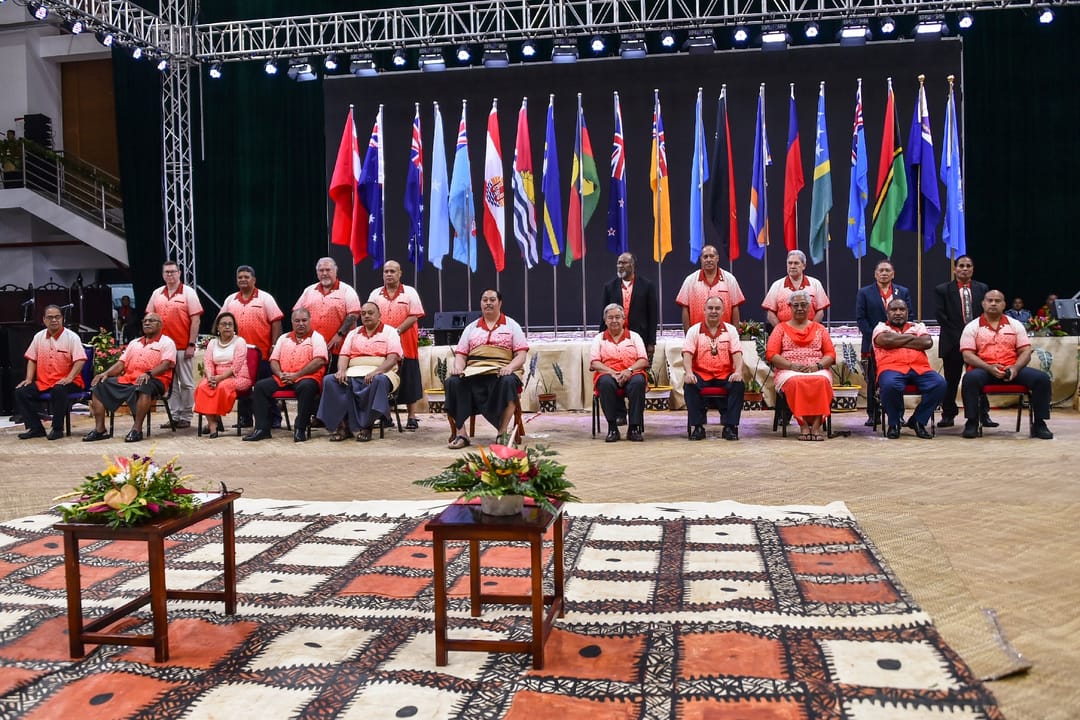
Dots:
{"x": 817, "y": 438}
{"x": 805, "y": 437}
{"x": 412, "y": 425}
{"x": 363, "y": 435}
{"x": 459, "y": 442}
{"x": 338, "y": 436}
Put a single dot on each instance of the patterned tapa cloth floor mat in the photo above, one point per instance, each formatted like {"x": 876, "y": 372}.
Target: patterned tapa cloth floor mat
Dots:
{"x": 686, "y": 611}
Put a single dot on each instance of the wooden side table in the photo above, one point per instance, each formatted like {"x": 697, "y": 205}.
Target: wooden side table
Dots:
{"x": 153, "y": 534}
{"x": 466, "y": 522}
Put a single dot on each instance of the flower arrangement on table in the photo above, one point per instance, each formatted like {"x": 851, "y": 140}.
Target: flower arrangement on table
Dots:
{"x": 501, "y": 470}
{"x": 128, "y": 492}
{"x": 106, "y": 351}
{"x": 1044, "y": 327}
{"x": 424, "y": 338}
{"x": 750, "y": 330}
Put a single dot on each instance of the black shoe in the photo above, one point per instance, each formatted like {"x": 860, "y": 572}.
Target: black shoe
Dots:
{"x": 256, "y": 435}
{"x": 317, "y": 423}
{"x": 612, "y": 435}
{"x": 893, "y": 433}
{"x": 94, "y": 436}
{"x": 870, "y": 422}
{"x": 620, "y": 420}
{"x": 730, "y": 432}
{"x": 922, "y": 433}
{"x": 55, "y": 434}
{"x": 971, "y": 429}
{"x": 634, "y": 434}
{"x": 243, "y": 423}
{"x": 987, "y": 422}
{"x": 698, "y": 433}
{"x": 275, "y": 425}
{"x": 946, "y": 421}
{"x": 300, "y": 435}
{"x": 32, "y": 433}
{"x": 133, "y": 436}
{"x": 1042, "y": 432}
{"x": 412, "y": 425}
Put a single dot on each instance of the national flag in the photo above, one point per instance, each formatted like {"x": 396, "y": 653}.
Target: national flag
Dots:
{"x": 370, "y": 193}
{"x": 892, "y": 186}
{"x": 551, "y": 233}
{"x": 658, "y": 181}
{"x": 921, "y": 178}
{"x": 524, "y": 190}
{"x": 953, "y": 232}
{"x": 618, "y": 240}
{"x": 439, "y": 224}
{"x": 821, "y": 191}
{"x": 462, "y": 210}
{"x": 722, "y": 210}
{"x": 794, "y": 181}
{"x": 699, "y": 175}
{"x": 758, "y": 238}
{"x": 859, "y": 189}
{"x": 494, "y": 192}
{"x": 348, "y": 227}
{"x": 584, "y": 191}
{"x": 414, "y": 195}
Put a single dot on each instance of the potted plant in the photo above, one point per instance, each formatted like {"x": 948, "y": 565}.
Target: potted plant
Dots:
{"x": 753, "y": 397}
{"x": 502, "y": 477}
{"x": 546, "y": 400}
{"x": 845, "y": 392}
{"x": 436, "y": 396}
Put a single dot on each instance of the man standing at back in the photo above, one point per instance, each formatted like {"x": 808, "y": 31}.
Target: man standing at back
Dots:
{"x": 710, "y": 281}
{"x": 400, "y": 308}
{"x": 637, "y": 296}
{"x": 179, "y": 308}
{"x": 334, "y": 306}
{"x": 258, "y": 321}
{"x": 959, "y": 301}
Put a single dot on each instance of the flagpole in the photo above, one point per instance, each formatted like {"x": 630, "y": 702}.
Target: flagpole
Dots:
{"x": 554, "y": 268}
{"x": 765, "y": 186}
{"x": 918, "y": 216}
{"x": 382, "y": 185}
{"x": 657, "y": 220}
{"x": 951, "y": 256}
{"x": 420, "y": 230}
{"x": 581, "y": 214}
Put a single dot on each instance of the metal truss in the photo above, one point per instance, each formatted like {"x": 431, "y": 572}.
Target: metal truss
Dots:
{"x": 126, "y": 20}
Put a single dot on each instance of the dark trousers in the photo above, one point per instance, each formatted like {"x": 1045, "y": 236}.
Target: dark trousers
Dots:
{"x": 244, "y": 404}
{"x": 952, "y": 367}
{"x": 28, "y": 403}
{"x": 632, "y": 402}
{"x": 1036, "y": 381}
{"x": 697, "y": 406}
{"x": 891, "y": 384}
{"x": 307, "y": 390}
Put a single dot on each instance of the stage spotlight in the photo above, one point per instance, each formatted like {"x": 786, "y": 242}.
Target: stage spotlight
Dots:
{"x": 931, "y": 27}
{"x": 215, "y": 70}
{"x": 667, "y": 40}
{"x": 740, "y": 35}
{"x": 564, "y": 51}
{"x": 811, "y": 30}
{"x": 854, "y": 32}
{"x": 495, "y": 55}
{"x": 463, "y": 54}
{"x": 136, "y": 52}
{"x": 37, "y": 10}
{"x": 1046, "y": 15}
{"x": 597, "y": 44}
{"x": 528, "y": 49}
{"x": 363, "y": 65}
{"x": 632, "y": 47}
{"x": 105, "y": 37}
{"x": 162, "y": 64}
{"x": 270, "y": 67}
{"x": 966, "y": 20}
{"x": 432, "y": 60}
{"x": 75, "y": 26}
{"x": 888, "y": 25}
{"x": 775, "y": 37}
{"x": 330, "y": 64}
{"x": 301, "y": 70}
{"x": 700, "y": 42}
{"x": 400, "y": 60}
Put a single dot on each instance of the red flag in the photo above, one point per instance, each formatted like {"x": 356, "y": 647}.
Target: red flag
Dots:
{"x": 793, "y": 179}
{"x": 349, "y": 227}
{"x": 494, "y": 192}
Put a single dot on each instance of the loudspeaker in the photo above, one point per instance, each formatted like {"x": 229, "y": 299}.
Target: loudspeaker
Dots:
{"x": 1067, "y": 313}
{"x": 448, "y": 325}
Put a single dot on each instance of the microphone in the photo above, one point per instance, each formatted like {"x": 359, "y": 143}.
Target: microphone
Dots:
{"x": 67, "y": 307}
{"x": 28, "y": 303}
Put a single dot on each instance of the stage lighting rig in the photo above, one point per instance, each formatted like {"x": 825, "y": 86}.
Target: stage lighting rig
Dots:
{"x": 700, "y": 42}
{"x": 812, "y": 30}
{"x": 667, "y": 39}
{"x": 854, "y": 32}
{"x": 495, "y": 55}
{"x": 432, "y": 60}
{"x": 775, "y": 37}
{"x": 632, "y": 46}
{"x": 215, "y": 70}
{"x": 301, "y": 70}
{"x": 564, "y": 51}
{"x": 362, "y": 64}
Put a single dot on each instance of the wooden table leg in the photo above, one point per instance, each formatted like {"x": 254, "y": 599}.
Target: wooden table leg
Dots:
{"x": 228, "y": 541}
{"x": 158, "y": 595}
{"x": 536, "y": 545}
{"x": 475, "y": 606}
{"x": 73, "y": 580}
{"x": 439, "y": 559}
{"x": 557, "y": 549}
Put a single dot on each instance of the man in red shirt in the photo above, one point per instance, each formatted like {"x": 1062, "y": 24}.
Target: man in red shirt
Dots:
{"x": 179, "y": 308}
{"x": 54, "y": 363}
{"x": 258, "y": 321}
{"x": 712, "y": 357}
{"x": 400, "y": 308}
{"x": 618, "y": 360}
{"x": 900, "y": 356}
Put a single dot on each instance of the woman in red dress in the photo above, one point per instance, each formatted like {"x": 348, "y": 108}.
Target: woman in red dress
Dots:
{"x": 225, "y": 372}
{"x": 801, "y": 352}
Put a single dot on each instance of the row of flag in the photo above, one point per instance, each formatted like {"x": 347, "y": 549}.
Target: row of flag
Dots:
{"x": 907, "y": 196}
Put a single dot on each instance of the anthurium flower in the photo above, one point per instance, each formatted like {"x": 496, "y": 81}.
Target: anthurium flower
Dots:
{"x": 504, "y": 452}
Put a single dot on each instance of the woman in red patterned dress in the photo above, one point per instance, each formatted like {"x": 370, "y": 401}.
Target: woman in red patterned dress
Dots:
{"x": 801, "y": 352}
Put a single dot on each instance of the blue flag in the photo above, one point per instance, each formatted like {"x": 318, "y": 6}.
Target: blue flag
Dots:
{"x": 821, "y": 193}
{"x": 618, "y": 241}
{"x": 439, "y": 225}
{"x": 758, "y": 238}
{"x": 414, "y": 195}
{"x": 953, "y": 233}
{"x": 859, "y": 190}
{"x": 370, "y": 193}
{"x": 462, "y": 209}
{"x": 921, "y": 178}
{"x": 551, "y": 235}
{"x": 699, "y": 175}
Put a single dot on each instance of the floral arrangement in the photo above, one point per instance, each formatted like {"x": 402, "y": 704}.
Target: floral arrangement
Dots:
{"x": 750, "y": 330}
{"x": 424, "y": 339}
{"x": 129, "y": 491}
{"x": 1040, "y": 326}
{"x": 502, "y": 470}
{"x": 106, "y": 351}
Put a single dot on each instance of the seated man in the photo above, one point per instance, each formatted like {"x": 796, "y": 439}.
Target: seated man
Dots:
{"x": 54, "y": 363}
{"x": 483, "y": 379}
{"x": 141, "y": 374}
{"x": 297, "y": 363}
{"x": 900, "y": 354}
{"x": 618, "y": 361}
{"x": 997, "y": 350}
{"x": 357, "y": 394}
{"x": 712, "y": 357}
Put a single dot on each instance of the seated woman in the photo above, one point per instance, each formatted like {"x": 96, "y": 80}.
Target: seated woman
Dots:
{"x": 618, "y": 361}
{"x": 801, "y": 352}
{"x": 225, "y": 373}
{"x": 484, "y": 376}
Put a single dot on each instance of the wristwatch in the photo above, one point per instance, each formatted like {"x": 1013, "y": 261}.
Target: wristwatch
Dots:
{"x": 820, "y": 366}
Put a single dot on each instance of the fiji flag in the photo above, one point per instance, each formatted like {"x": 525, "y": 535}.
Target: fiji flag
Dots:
{"x": 462, "y": 210}
{"x": 953, "y": 233}
{"x": 414, "y": 195}
{"x": 552, "y": 238}
{"x": 758, "y": 238}
{"x": 699, "y": 175}
{"x": 859, "y": 191}
{"x": 617, "y": 240}
{"x": 370, "y": 195}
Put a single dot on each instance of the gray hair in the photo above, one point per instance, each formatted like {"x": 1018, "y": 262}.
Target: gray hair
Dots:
{"x": 799, "y": 254}
{"x": 613, "y": 306}
{"x": 333, "y": 263}
{"x": 245, "y": 268}
{"x": 800, "y": 294}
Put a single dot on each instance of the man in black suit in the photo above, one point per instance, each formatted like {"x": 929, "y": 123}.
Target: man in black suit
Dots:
{"x": 637, "y": 297}
{"x": 959, "y": 301}
{"x": 870, "y": 309}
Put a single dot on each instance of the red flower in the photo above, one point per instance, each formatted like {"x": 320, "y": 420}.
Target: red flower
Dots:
{"x": 504, "y": 452}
